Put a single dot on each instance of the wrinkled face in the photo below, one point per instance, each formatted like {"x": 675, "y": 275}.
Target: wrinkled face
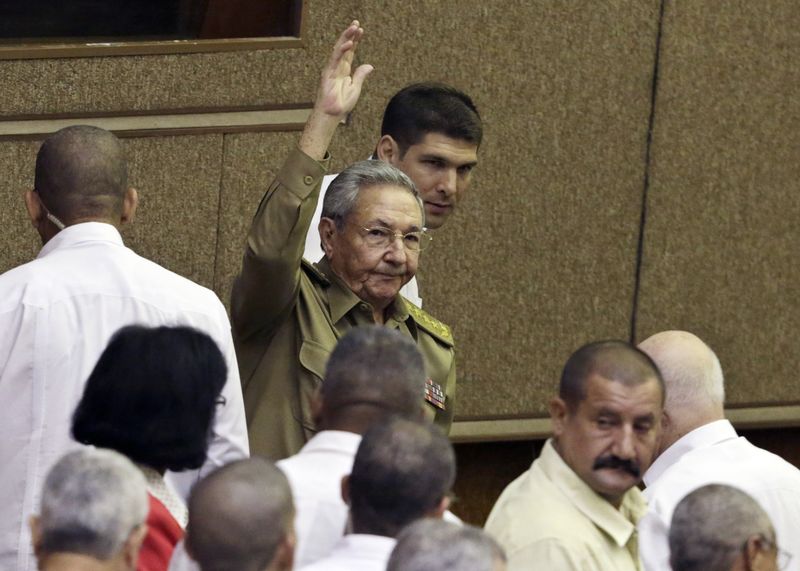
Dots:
{"x": 610, "y": 439}
{"x": 376, "y": 274}
{"x": 441, "y": 168}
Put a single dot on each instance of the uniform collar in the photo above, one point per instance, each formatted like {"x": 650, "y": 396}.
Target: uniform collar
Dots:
{"x": 701, "y": 437}
{"x": 83, "y": 232}
{"x": 619, "y": 524}
{"x": 342, "y": 300}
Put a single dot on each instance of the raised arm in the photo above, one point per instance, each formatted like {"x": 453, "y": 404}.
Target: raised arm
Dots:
{"x": 266, "y": 288}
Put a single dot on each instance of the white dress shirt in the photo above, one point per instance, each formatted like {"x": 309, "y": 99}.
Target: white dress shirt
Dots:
{"x": 356, "y": 552}
{"x": 315, "y": 476}
{"x": 715, "y": 454}
{"x": 57, "y": 314}
{"x": 313, "y": 251}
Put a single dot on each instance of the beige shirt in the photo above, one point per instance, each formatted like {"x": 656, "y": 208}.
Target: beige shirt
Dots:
{"x": 548, "y": 518}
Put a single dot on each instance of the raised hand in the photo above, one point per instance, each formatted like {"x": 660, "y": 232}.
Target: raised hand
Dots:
{"x": 338, "y": 89}
{"x": 338, "y": 93}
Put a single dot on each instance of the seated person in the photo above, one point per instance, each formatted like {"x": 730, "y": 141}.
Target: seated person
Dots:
{"x": 721, "y": 528}
{"x": 152, "y": 397}
{"x": 240, "y": 518}
{"x": 435, "y": 545}
{"x": 93, "y": 510}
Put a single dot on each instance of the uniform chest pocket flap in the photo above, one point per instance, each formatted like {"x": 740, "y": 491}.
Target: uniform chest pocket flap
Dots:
{"x": 314, "y": 357}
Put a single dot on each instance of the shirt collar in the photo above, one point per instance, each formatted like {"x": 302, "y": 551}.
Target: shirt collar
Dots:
{"x": 342, "y": 300}
{"x": 333, "y": 440}
{"x": 83, "y": 232}
{"x": 365, "y": 546}
{"x": 706, "y": 435}
{"x": 619, "y": 524}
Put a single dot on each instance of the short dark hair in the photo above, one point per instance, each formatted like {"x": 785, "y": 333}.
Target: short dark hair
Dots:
{"x": 402, "y": 470}
{"x": 81, "y": 172}
{"x": 611, "y": 359}
{"x": 152, "y": 396}
{"x": 431, "y": 107}
{"x": 378, "y": 366}
{"x": 238, "y": 516}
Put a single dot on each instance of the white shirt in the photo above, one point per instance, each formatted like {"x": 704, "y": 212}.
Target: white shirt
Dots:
{"x": 315, "y": 476}
{"x": 313, "y": 251}
{"x": 715, "y": 454}
{"x": 57, "y": 314}
{"x": 356, "y": 552}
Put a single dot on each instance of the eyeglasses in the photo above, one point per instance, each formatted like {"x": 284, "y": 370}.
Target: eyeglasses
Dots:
{"x": 381, "y": 237}
{"x": 783, "y": 557}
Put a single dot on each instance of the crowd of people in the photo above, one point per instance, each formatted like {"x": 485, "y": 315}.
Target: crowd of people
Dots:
{"x": 133, "y": 405}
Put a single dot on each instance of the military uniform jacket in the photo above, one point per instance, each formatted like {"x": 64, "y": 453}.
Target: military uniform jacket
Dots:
{"x": 288, "y": 314}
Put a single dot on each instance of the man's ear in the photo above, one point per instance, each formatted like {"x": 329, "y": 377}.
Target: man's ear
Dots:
{"x": 327, "y": 231}
{"x": 346, "y": 489}
{"x": 558, "y": 415}
{"x": 388, "y": 150}
{"x": 129, "y": 205}
{"x": 441, "y": 507}
{"x": 33, "y": 205}
{"x": 36, "y": 535}
{"x": 133, "y": 545}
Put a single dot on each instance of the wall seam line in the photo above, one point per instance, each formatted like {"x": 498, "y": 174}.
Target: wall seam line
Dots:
{"x": 221, "y": 187}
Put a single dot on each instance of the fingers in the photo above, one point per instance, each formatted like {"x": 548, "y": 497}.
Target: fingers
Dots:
{"x": 360, "y": 75}
{"x": 346, "y": 43}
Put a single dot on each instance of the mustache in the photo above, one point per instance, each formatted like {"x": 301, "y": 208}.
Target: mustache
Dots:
{"x": 617, "y": 463}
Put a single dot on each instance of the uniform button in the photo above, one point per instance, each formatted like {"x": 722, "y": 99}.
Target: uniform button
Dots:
{"x": 308, "y": 179}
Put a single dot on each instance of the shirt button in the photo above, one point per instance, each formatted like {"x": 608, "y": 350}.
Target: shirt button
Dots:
{"x": 308, "y": 179}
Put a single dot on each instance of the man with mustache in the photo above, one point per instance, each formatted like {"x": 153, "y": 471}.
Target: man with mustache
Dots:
{"x": 578, "y": 505}
{"x": 288, "y": 314}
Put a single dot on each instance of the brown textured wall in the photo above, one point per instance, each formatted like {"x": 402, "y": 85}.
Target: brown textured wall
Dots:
{"x": 543, "y": 256}
{"x": 721, "y": 238}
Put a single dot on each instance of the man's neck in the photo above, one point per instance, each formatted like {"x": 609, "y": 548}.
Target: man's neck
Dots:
{"x": 77, "y": 562}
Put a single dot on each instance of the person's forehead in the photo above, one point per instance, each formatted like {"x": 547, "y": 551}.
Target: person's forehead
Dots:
{"x": 459, "y": 151}
{"x": 389, "y": 203}
{"x": 615, "y": 396}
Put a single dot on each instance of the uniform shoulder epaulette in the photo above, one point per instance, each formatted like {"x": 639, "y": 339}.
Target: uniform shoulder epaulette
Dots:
{"x": 430, "y": 324}
{"x": 314, "y": 273}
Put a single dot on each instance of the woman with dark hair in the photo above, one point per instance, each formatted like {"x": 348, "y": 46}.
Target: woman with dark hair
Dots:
{"x": 152, "y": 397}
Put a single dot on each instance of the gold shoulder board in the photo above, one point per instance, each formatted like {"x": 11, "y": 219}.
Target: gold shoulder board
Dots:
{"x": 430, "y": 324}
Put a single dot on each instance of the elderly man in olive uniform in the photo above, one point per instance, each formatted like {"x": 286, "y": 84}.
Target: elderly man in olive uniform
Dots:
{"x": 288, "y": 314}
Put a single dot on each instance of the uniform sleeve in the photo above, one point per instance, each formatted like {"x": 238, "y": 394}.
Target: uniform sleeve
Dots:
{"x": 267, "y": 286}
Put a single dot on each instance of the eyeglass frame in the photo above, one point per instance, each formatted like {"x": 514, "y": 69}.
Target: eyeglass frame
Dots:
{"x": 424, "y": 237}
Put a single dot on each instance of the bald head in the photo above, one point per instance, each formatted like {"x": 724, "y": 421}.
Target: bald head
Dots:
{"x": 226, "y": 507}
{"x": 372, "y": 372}
{"x": 693, "y": 377}
{"x": 613, "y": 360}
{"x": 81, "y": 174}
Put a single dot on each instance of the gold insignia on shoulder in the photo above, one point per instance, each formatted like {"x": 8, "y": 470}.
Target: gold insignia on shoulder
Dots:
{"x": 430, "y": 324}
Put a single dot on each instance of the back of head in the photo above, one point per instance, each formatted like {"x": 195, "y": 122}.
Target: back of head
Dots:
{"x": 91, "y": 503}
{"x": 152, "y": 396}
{"x": 613, "y": 360}
{"x": 711, "y": 526}
{"x": 81, "y": 173}
{"x": 436, "y": 545}
{"x": 402, "y": 471}
{"x": 423, "y": 108}
{"x": 239, "y": 516}
{"x": 692, "y": 373}
{"x": 376, "y": 370}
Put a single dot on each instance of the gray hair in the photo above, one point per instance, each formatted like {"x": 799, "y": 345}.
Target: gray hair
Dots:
{"x": 342, "y": 194}
{"x": 91, "y": 502}
{"x": 436, "y": 545}
{"x": 710, "y": 525}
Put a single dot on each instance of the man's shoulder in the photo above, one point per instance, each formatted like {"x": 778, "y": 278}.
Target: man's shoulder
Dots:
{"x": 429, "y": 324}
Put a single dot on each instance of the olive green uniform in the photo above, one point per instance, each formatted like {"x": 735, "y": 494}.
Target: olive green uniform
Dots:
{"x": 288, "y": 315}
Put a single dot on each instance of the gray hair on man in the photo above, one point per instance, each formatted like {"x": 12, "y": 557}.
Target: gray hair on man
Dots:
{"x": 714, "y": 525}
{"x": 437, "y": 545}
{"x": 342, "y": 194}
{"x": 92, "y": 501}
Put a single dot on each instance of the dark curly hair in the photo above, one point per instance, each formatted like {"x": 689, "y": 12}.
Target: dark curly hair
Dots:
{"x": 152, "y": 396}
